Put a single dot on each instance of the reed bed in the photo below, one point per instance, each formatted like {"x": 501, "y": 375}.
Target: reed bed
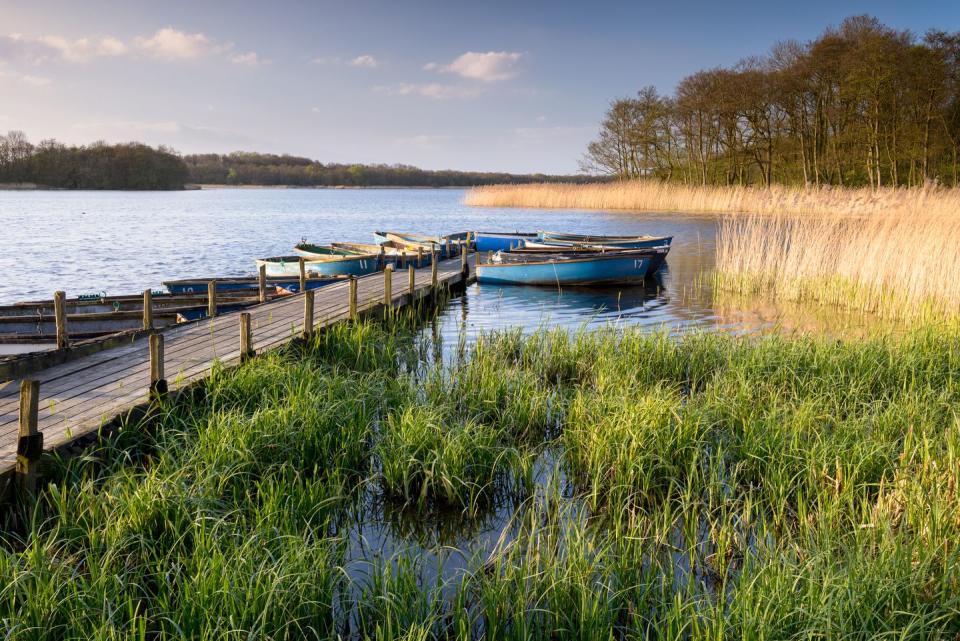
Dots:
{"x": 887, "y": 263}
{"x": 656, "y": 196}
{"x": 623, "y": 485}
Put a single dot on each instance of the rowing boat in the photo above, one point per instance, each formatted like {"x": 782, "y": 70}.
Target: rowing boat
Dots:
{"x": 332, "y": 265}
{"x": 559, "y": 269}
{"x": 501, "y": 241}
{"x": 548, "y": 238}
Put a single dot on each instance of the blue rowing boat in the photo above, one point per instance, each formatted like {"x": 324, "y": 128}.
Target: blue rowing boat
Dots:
{"x": 547, "y": 238}
{"x": 485, "y": 241}
{"x": 559, "y": 270}
{"x": 658, "y": 255}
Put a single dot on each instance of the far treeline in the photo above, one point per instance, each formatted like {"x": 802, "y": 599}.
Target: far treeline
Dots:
{"x": 861, "y": 105}
{"x": 243, "y": 168}
{"x": 137, "y": 166}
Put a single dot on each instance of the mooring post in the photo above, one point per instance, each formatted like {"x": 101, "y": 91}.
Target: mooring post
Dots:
{"x": 147, "y": 309}
{"x": 60, "y": 316}
{"x": 262, "y": 283}
{"x": 308, "y": 313}
{"x": 30, "y": 441}
{"x": 464, "y": 266}
{"x": 212, "y": 298}
{"x": 433, "y": 273}
{"x": 303, "y": 274}
{"x": 446, "y": 244}
{"x": 388, "y": 285}
{"x": 412, "y": 281}
{"x": 381, "y": 262}
{"x": 246, "y": 337}
{"x": 158, "y": 381}
{"x": 353, "y": 297}
{"x": 419, "y": 256}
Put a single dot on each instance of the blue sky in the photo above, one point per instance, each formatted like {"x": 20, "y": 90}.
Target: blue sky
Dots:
{"x": 515, "y": 86}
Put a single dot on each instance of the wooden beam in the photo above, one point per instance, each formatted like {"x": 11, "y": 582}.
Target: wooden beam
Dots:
{"x": 262, "y": 283}
{"x": 60, "y": 315}
{"x": 308, "y": 297}
{"x": 212, "y": 298}
{"x": 388, "y": 286}
{"x": 158, "y": 381}
{"x": 412, "y": 281}
{"x": 147, "y": 309}
{"x": 246, "y": 337}
{"x": 353, "y": 297}
{"x": 30, "y": 439}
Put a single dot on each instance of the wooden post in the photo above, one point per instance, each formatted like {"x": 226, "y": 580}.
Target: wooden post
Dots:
{"x": 381, "y": 261}
{"x": 246, "y": 337}
{"x": 402, "y": 256}
{"x": 412, "y": 280}
{"x": 158, "y": 381}
{"x": 212, "y": 298}
{"x": 60, "y": 315}
{"x": 308, "y": 313}
{"x": 419, "y": 257}
{"x": 433, "y": 273}
{"x": 353, "y": 297}
{"x": 447, "y": 243}
{"x": 464, "y": 266}
{"x": 147, "y": 309}
{"x": 262, "y": 283}
{"x": 30, "y": 441}
{"x": 388, "y": 286}
{"x": 303, "y": 275}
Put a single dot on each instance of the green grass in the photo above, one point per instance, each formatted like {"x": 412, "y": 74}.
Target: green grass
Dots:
{"x": 606, "y": 484}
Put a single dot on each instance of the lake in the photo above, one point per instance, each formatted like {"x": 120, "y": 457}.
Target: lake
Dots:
{"x": 124, "y": 242}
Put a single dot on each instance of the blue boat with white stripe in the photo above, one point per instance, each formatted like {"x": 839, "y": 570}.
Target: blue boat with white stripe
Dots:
{"x": 485, "y": 241}
{"x": 595, "y": 269}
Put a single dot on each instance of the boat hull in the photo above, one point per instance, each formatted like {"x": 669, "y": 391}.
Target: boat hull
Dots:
{"x": 493, "y": 242}
{"x": 243, "y": 284}
{"x": 578, "y": 271}
{"x": 597, "y": 242}
{"x": 360, "y": 265}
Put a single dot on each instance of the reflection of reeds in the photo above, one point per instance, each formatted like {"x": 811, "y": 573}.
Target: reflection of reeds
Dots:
{"x": 893, "y": 263}
{"x": 656, "y": 196}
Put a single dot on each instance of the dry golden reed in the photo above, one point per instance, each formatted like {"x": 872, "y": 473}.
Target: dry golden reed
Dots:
{"x": 891, "y": 251}
{"x": 656, "y": 196}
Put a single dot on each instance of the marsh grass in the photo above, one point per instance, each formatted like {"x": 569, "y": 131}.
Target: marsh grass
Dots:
{"x": 702, "y": 487}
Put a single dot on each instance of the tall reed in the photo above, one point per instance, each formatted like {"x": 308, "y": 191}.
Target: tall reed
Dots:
{"x": 655, "y": 196}
{"x": 893, "y": 263}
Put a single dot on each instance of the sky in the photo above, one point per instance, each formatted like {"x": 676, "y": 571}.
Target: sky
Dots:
{"x": 494, "y": 86}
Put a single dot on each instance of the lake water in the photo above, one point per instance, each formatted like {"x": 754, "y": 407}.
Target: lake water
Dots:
{"x": 124, "y": 242}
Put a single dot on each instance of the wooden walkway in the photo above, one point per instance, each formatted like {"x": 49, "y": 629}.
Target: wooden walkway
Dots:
{"x": 80, "y": 396}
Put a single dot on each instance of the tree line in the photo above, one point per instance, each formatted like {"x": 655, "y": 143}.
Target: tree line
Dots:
{"x": 861, "y": 105}
{"x": 246, "y": 168}
{"x": 96, "y": 166}
{"x": 137, "y": 166}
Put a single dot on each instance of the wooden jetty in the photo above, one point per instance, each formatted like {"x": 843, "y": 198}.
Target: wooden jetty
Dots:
{"x": 56, "y": 405}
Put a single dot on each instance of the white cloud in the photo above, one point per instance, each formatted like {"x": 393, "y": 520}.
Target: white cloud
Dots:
{"x": 366, "y": 60}
{"x": 431, "y": 90}
{"x": 490, "y": 66}
{"x": 28, "y": 80}
{"x": 172, "y": 44}
{"x": 250, "y": 59}
{"x": 167, "y": 44}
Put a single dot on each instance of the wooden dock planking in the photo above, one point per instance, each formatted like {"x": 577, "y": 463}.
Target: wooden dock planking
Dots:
{"x": 80, "y": 396}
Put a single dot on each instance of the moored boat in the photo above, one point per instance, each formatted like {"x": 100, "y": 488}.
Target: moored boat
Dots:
{"x": 333, "y": 265}
{"x": 627, "y": 242}
{"x": 658, "y": 255}
{"x": 320, "y": 252}
{"x": 485, "y": 241}
{"x": 559, "y": 269}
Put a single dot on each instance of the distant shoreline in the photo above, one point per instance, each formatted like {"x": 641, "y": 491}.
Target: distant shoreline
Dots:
{"x": 212, "y": 186}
